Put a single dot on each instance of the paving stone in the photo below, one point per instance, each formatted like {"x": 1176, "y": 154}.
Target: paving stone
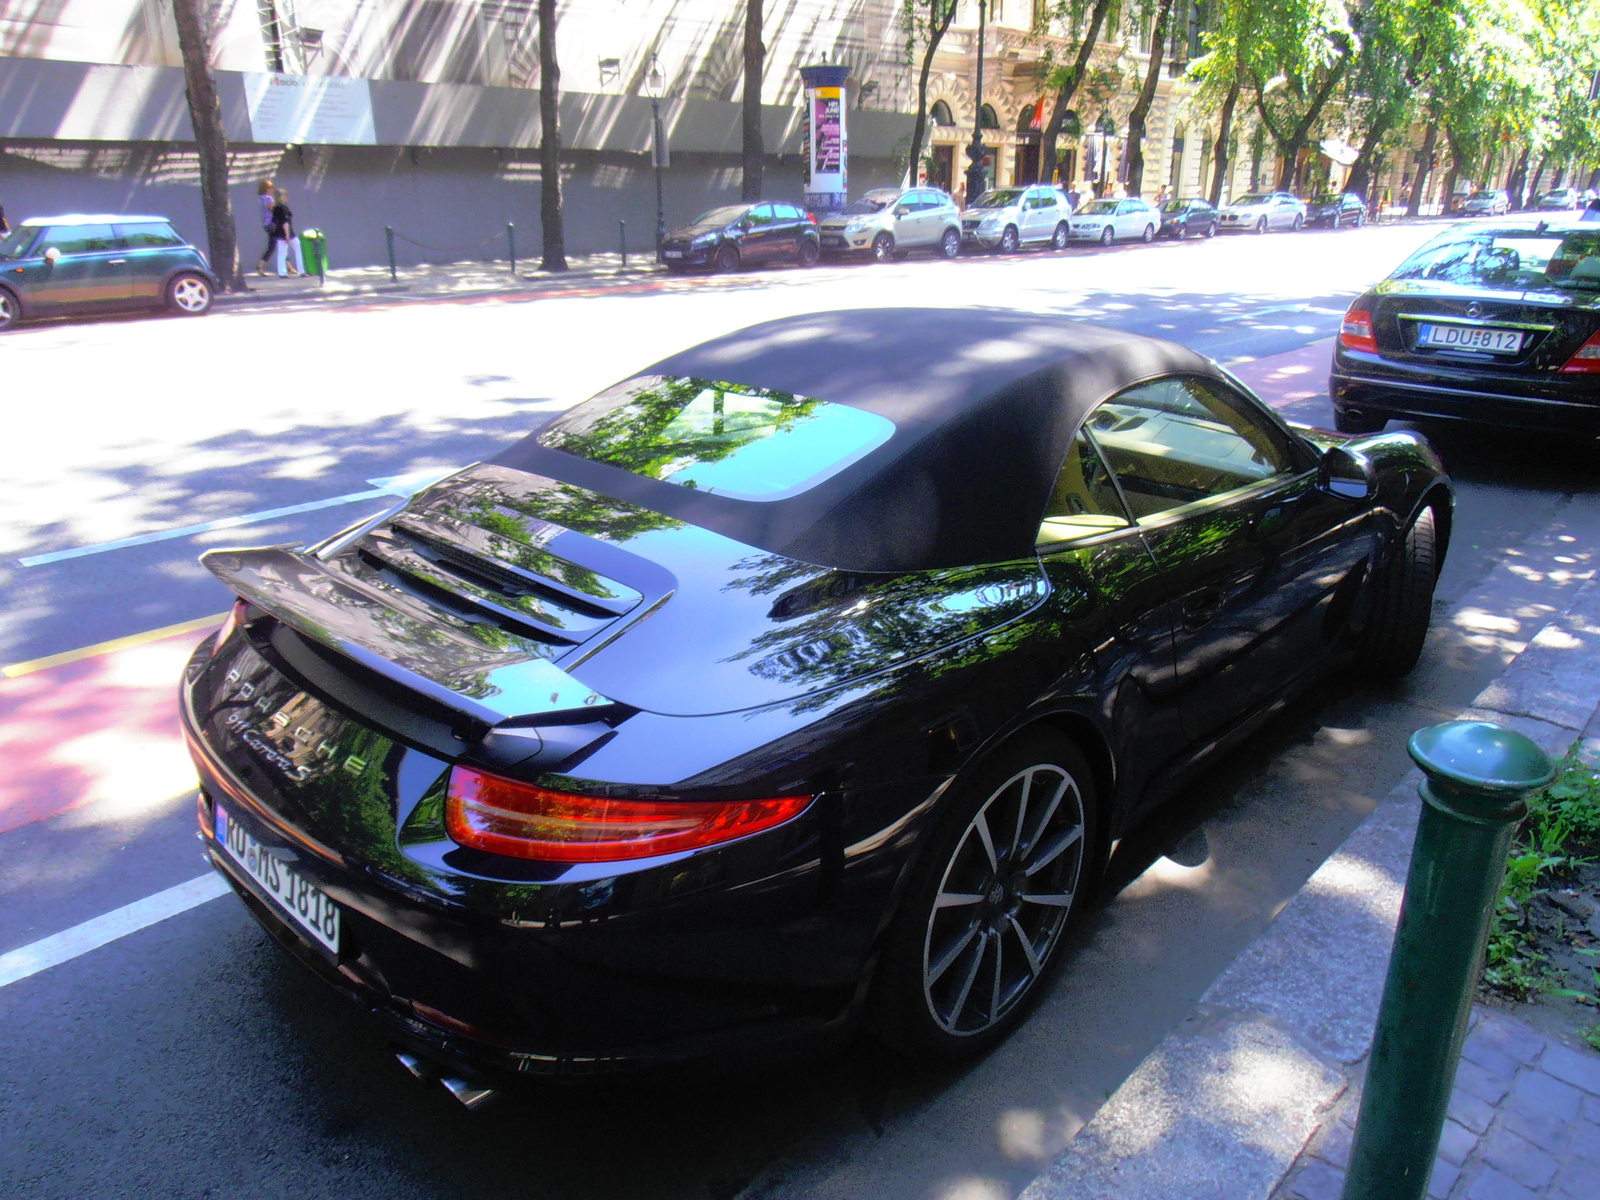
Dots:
{"x": 1490, "y": 1058}
{"x": 1443, "y": 1179}
{"x": 1492, "y": 1185}
{"x": 1591, "y": 1109}
{"x": 1317, "y": 1181}
{"x": 1579, "y": 1068}
{"x": 1519, "y": 1158}
{"x": 1545, "y": 1094}
{"x": 1577, "y": 1179}
{"x": 1470, "y": 1111}
{"x": 1545, "y": 1130}
{"x": 1335, "y": 1145}
{"x": 1456, "y": 1142}
{"x": 1485, "y": 1085}
{"x": 1507, "y": 1036}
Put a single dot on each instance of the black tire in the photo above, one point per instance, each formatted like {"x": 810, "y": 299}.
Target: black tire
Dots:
{"x": 1361, "y": 219}
{"x": 727, "y": 259}
{"x": 1211, "y": 229}
{"x": 1149, "y": 234}
{"x": 1402, "y": 604}
{"x": 950, "y": 244}
{"x": 1261, "y": 225}
{"x": 1335, "y": 221}
{"x": 1010, "y": 240}
{"x": 916, "y": 1004}
{"x": 883, "y": 248}
{"x": 1349, "y": 422}
{"x": 10, "y": 310}
{"x": 808, "y": 252}
{"x": 188, "y": 294}
{"x": 1298, "y": 222}
{"x": 1107, "y": 236}
{"x": 1059, "y": 239}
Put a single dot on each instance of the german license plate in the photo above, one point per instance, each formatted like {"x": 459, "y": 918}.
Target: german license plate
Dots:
{"x": 672, "y": 254}
{"x": 832, "y": 239}
{"x": 290, "y": 892}
{"x": 1471, "y": 337}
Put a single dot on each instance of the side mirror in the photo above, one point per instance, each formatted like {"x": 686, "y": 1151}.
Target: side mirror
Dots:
{"x": 903, "y": 210}
{"x": 1347, "y": 473}
{"x": 51, "y": 254}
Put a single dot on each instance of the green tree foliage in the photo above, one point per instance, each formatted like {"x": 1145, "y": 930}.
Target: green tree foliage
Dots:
{"x": 925, "y": 22}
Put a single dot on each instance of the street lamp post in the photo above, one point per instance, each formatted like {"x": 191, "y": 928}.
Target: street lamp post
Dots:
{"x": 657, "y": 145}
{"x": 977, "y": 177}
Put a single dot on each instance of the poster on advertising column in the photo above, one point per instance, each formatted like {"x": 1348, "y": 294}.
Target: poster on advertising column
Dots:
{"x": 310, "y": 110}
{"x": 827, "y": 145}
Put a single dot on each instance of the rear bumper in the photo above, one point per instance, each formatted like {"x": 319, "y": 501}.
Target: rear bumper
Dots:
{"x": 1353, "y": 390}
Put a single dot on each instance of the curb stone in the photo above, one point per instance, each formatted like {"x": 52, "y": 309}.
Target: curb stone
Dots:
{"x": 1255, "y": 1095}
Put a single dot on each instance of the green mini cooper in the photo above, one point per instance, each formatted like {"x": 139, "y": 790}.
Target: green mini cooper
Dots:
{"x": 79, "y": 265}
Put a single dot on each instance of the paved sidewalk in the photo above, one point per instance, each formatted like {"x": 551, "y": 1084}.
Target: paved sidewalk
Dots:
{"x": 1254, "y": 1096}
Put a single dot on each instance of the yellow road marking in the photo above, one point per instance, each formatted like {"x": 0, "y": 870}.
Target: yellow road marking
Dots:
{"x": 122, "y": 643}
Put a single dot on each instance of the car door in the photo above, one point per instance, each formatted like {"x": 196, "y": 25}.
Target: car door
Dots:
{"x": 921, "y": 220}
{"x": 92, "y": 272}
{"x": 1262, "y": 566}
{"x": 149, "y": 248}
{"x": 1113, "y": 611}
{"x": 1036, "y": 225}
{"x": 760, "y": 243}
{"x": 1283, "y": 212}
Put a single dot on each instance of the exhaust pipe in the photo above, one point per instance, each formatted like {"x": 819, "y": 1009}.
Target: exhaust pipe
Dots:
{"x": 422, "y": 1070}
{"x": 472, "y": 1097}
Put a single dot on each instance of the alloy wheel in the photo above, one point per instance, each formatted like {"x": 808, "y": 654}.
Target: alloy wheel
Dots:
{"x": 1059, "y": 240}
{"x": 1107, "y": 235}
{"x": 883, "y": 247}
{"x": 1003, "y": 900}
{"x": 8, "y": 310}
{"x": 1261, "y": 225}
{"x": 727, "y": 259}
{"x": 1149, "y": 233}
{"x": 950, "y": 243}
{"x": 808, "y": 253}
{"x": 191, "y": 295}
{"x": 1009, "y": 241}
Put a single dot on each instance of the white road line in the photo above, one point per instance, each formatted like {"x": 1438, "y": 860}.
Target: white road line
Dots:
{"x": 99, "y": 931}
{"x": 399, "y": 485}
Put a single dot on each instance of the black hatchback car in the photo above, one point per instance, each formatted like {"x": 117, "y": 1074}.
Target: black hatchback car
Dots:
{"x": 1180, "y": 218}
{"x": 740, "y": 235}
{"x": 749, "y": 701}
{"x": 1333, "y": 210}
{"x": 82, "y": 265}
{"x": 1495, "y": 322}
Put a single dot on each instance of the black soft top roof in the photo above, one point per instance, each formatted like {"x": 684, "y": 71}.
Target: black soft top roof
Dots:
{"x": 984, "y": 403}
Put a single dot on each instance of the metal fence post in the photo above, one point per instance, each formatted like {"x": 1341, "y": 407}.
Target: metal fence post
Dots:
{"x": 322, "y": 258}
{"x": 1478, "y": 778}
{"x": 388, "y": 232}
{"x": 622, "y": 232}
{"x": 511, "y": 244}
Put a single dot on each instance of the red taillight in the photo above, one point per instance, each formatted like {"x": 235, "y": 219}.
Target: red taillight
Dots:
{"x": 504, "y": 816}
{"x": 1587, "y": 360}
{"x": 1356, "y": 332}
{"x": 234, "y": 619}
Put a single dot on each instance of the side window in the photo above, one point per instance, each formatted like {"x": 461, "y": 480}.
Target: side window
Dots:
{"x": 1084, "y": 499}
{"x": 79, "y": 239}
{"x": 1179, "y": 440}
{"x": 761, "y": 214}
{"x": 147, "y": 236}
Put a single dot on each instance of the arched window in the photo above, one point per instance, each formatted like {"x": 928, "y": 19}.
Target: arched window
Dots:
{"x": 987, "y": 117}
{"x": 1071, "y": 125}
{"x": 1030, "y": 118}
{"x": 940, "y": 114}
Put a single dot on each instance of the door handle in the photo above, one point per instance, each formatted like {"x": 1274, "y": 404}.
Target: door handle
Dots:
{"x": 115, "y": 262}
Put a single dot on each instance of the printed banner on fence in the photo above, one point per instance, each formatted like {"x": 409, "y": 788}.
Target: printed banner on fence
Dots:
{"x": 312, "y": 110}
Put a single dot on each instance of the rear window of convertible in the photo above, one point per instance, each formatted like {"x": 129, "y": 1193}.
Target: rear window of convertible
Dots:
{"x": 724, "y": 439}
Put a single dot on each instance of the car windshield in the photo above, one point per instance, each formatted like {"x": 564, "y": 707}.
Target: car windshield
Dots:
{"x": 1329, "y": 198}
{"x": 727, "y": 439}
{"x": 1511, "y": 259}
{"x": 726, "y": 215}
{"x": 999, "y": 198}
{"x": 1254, "y": 198}
{"x": 870, "y": 203}
{"x": 18, "y": 240}
{"x": 1481, "y": 196}
{"x": 1100, "y": 206}
{"x": 1175, "y": 206}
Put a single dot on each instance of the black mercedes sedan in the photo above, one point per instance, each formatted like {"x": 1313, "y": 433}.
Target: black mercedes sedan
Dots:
{"x": 802, "y": 680}
{"x": 1180, "y": 218}
{"x": 1494, "y": 322}
{"x": 740, "y": 235}
{"x": 1333, "y": 210}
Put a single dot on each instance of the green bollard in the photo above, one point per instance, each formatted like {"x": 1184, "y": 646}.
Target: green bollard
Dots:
{"x": 511, "y": 244}
{"x": 388, "y": 231}
{"x": 1479, "y": 776}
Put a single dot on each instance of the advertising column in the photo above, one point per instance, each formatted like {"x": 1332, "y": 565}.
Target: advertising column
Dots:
{"x": 826, "y": 143}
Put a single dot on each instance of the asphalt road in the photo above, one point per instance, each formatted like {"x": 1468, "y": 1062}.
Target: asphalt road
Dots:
{"x": 192, "y": 1059}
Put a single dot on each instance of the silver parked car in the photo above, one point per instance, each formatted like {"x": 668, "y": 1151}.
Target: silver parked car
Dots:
{"x": 1486, "y": 202}
{"x": 1105, "y": 221}
{"x": 1006, "y": 219}
{"x": 1261, "y": 211}
{"x": 887, "y": 222}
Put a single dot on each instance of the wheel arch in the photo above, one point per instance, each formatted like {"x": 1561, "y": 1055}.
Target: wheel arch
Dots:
{"x": 1438, "y": 497}
{"x": 16, "y": 299}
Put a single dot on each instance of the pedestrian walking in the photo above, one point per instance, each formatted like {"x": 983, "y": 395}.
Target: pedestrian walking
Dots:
{"x": 4, "y": 228}
{"x": 264, "y": 202}
{"x": 1074, "y": 197}
{"x": 288, "y": 245}
{"x": 1161, "y": 195}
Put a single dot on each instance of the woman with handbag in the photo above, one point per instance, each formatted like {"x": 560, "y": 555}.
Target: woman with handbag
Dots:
{"x": 283, "y": 230}
{"x": 264, "y": 201}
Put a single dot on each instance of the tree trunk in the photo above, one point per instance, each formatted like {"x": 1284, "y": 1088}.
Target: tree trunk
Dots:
{"x": 1224, "y": 159}
{"x": 1430, "y": 139}
{"x": 1518, "y": 177}
{"x": 1052, "y": 129}
{"x": 1454, "y": 172}
{"x": 937, "y": 27}
{"x": 1361, "y": 172}
{"x": 211, "y": 140}
{"x": 1290, "y": 144}
{"x": 1538, "y": 178}
{"x": 1141, "y": 107}
{"x": 555, "y": 240}
{"x": 754, "y": 57}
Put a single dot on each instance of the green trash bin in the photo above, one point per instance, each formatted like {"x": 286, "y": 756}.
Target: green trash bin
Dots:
{"x": 314, "y": 251}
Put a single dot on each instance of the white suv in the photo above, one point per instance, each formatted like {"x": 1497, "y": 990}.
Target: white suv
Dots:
{"x": 888, "y": 222}
{"x": 1006, "y": 219}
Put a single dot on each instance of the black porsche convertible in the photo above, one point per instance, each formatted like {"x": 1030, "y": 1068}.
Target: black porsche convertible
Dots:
{"x": 801, "y": 680}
